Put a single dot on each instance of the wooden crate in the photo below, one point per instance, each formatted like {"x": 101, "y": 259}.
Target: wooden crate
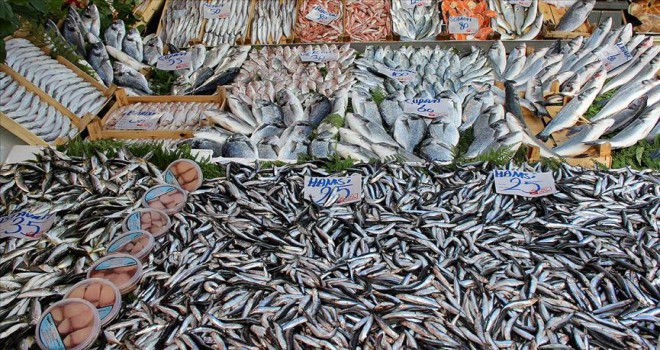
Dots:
{"x": 97, "y": 130}
{"x": 552, "y": 15}
{"x": 25, "y": 134}
{"x": 80, "y": 123}
{"x": 19, "y": 131}
{"x": 147, "y": 11}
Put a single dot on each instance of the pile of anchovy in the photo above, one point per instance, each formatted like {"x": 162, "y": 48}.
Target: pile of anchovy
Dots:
{"x": 430, "y": 258}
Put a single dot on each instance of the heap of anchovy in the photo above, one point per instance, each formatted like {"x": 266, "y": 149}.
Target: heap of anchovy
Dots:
{"x": 429, "y": 258}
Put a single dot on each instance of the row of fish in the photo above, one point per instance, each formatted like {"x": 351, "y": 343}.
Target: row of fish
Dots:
{"x": 35, "y": 115}
{"x": 272, "y": 22}
{"x": 429, "y": 258}
{"x": 166, "y": 115}
{"x": 209, "y": 69}
{"x": 516, "y": 21}
{"x": 419, "y": 22}
{"x": 57, "y": 80}
{"x": 227, "y": 30}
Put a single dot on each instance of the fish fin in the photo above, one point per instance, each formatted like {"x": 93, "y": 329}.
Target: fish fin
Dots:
{"x": 542, "y": 137}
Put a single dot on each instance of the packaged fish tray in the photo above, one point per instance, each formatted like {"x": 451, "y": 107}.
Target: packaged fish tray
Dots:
{"x": 154, "y": 117}
{"x": 566, "y": 22}
{"x": 34, "y": 116}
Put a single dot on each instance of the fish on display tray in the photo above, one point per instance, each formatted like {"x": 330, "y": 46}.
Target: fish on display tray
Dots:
{"x": 310, "y": 31}
{"x": 368, "y": 20}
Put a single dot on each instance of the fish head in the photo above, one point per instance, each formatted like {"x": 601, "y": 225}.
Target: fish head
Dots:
{"x": 91, "y": 12}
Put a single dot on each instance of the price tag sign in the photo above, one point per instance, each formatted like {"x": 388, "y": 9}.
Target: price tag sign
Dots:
{"x": 408, "y": 4}
{"x": 25, "y": 225}
{"x": 175, "y": 61}
{"x": 523, "y": 183}
{"x": 524, "y": 3}
{"x": 139, "y": 120}
{"x": 463, "y": 25}
{"x": 431, "y": 108}
{"x": 402, "y": 75}
{"x": 615, "y": 56}
{"x": 216, "y": 11}
{"x": 348, "y": 188}
{"x": 319, "y": 56}
{"x": 319, "y": 14}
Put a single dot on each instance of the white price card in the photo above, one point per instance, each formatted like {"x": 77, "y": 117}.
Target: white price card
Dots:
{"x": 463, "y": 25}
{"x": 216, "y": 11}
{"x": 175, "y": 61}
{"x": 522, "y": 183}
{"x": 25, "y": 225}
{"x": 427, "y": 107}
{"x": 138, "y": 120}
{"x": 408, "y": 4}
{"x": 319, "y": 14}
{"x": 615, "y": 56}
{"x": 319, "y": 56}
{"x": 524, "y": 3}
{"x": 402, "y": 75}
{"x": 320, "y": 189}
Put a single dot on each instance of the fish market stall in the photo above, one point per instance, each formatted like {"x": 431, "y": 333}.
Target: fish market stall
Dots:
{"x": 329, "y": 174}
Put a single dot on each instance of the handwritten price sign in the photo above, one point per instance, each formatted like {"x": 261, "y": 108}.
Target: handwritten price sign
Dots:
{"x": 615, "y": 56}
{"x": 319, "y": 56}
{"x": 175, "y": 61}
{"x": 402, "y": 75}
{"x": 463, "y": 25}
{"x": 216, "y": 11}
{"x": 25, "y": 225}
{"x": 427, "y": 107}
{"x": 407, "y": 4}
{"x": 319, "y": 14}
{"x": 320, "y": 189}
{"x": 523, "y": 183}
{"x": 139, "y": 120}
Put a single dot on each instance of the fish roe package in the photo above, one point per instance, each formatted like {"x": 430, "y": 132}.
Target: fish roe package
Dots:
{"x": 103, "y": 294}
{"x": 124, "y": 270}
{"x": 320, "y": 21}
{"x": 70, "y": 324}
{"x": 136, "y": 243}
{"x": 185, "y": 174}
{"x": 153, "y": 221}
{"x": 368, "y": 20}
{"x": 467, "y": 20}
{"x": 168, "y": 198}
